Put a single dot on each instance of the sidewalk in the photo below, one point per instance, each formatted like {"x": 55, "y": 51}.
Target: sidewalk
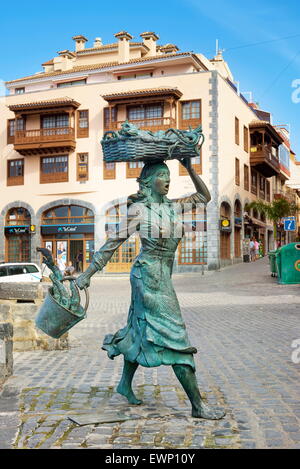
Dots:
{"x": 243, "y": 324}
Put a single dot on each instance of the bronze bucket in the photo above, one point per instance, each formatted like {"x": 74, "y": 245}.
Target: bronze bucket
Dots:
{"x": 55, "y": 319}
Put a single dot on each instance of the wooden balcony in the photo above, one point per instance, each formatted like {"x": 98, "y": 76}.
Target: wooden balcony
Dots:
{"x": 288, "y": 196}
{"x": 153, "y": 124}
{"x": 265, "y": 160}
{"x": 45, "y": 141}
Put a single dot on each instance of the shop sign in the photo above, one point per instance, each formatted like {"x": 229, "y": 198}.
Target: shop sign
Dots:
{"x": 67, "y": 229}
{"x": 16, "y": 230}
{"x": 238, "y": 221}
{"x": 225, "y": 225}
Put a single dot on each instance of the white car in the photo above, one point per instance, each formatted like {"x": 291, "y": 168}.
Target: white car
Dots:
{"x": 20, "y": 272}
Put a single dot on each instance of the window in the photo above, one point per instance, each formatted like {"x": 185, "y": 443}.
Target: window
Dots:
{"x": 82, "y": 124}
{"x": 3, "y": 272}
{"x": 262, "y": 187}
{"x": 16, "y": 270}
{"x": 190, "y": 114}
{"x": 196, "y": 163}
{"x": 246, "y": 177}
{"x": 237, "y": 171}
{"x": 132, "y": 76}
{"x": 133, "y": 169}
{"x": 14, "y": 125}
{"x": 147, "y": 115}
{"x": 109, "y": 170}
{"x": 30, "y": 269}
{"x": 54, "y": 169}
{"x": 55, "y": 121}
{"x": 109, "y": 117}
{"x": 268, "y": 195}
{"x": 253, "y": 182}
{"x": 15, "y": 172}
{"x": 19, "y": 90}
{"x": 246, "y": 139}
{"x": 237, "y": 131}
{"x": 71, "y": 83}
{"x": 18, "y": 216}
{"x": 82, "y": 166}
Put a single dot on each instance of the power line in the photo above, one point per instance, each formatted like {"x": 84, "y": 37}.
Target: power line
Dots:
{"x": 253, "y": 44}
{"x": 280, "y": 73}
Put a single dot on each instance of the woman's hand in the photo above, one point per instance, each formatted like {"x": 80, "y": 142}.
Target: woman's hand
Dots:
{"x": 83, "y": 281}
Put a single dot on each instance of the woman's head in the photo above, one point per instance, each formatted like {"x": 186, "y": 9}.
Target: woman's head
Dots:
{"x": 154, "y": 179}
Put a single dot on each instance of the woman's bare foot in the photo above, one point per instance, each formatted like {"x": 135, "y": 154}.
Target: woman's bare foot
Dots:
{"x": 209, "y": 413}
{"x": 128, "y": 393}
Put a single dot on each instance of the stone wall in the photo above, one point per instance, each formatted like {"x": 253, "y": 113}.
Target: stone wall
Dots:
{"x": 19, "y": 304}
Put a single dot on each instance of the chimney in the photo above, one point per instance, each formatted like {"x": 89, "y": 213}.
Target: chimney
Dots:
{"x": 79, "y": 42}
{"x": 64, "y": 61}
{"x": 169, "y": 49}
{"x": 98, "y": 42}
{"x": 149, "y": 39}
{"x": 123, "y": 46}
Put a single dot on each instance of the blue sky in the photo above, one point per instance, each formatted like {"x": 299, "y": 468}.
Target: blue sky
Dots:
{"x": 33, "y": 32}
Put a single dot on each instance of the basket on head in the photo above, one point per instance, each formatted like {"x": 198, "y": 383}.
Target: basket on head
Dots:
{"x": 133, "y": 144}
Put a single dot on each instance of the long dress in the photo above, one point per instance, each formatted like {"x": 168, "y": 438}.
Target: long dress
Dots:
{"x": 155, "y": 333}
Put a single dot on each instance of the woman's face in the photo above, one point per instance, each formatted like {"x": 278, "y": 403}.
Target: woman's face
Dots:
{"x": 161, "y": 181}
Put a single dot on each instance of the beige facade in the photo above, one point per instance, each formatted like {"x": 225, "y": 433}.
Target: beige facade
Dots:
{"x": 52, "y": 124}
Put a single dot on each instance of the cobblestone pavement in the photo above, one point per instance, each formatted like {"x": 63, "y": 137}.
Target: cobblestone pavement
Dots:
{"x": 243, "y": 324}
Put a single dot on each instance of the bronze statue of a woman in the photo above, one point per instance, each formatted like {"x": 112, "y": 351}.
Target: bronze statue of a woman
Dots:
{"x": 155, "y": 333}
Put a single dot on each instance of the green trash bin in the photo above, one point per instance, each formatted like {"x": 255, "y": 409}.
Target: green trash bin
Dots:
{"x": 288, "y": 264}
{"x": 272, "y": 262}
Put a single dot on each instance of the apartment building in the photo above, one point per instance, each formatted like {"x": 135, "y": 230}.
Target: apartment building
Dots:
{"x": 58, "y": 192}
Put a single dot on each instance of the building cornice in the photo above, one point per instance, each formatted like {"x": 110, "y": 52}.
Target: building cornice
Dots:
{"x": 106, "y": 67}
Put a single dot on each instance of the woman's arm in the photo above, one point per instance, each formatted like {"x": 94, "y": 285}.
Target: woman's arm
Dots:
{"x": 198, "y": 183}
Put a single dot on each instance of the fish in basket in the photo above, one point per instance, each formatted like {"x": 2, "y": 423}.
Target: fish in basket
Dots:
{"x": 133, "y": 144}
{"x": 61, "y": 308}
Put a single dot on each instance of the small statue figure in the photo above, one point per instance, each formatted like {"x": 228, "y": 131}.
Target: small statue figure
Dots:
{"x": 155, "y": 333}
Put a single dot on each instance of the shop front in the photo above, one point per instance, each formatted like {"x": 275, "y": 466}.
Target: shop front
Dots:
{"x": 68, "y": 233}
{"x": 17, "y": 232}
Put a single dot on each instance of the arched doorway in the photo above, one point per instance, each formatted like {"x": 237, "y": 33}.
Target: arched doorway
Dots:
{"x": 68, "y": 232}
{"x": 123, "y": 257}
{"x": 237, "y": 228}
{"x": 225, "y": 231}
{"x": 17, "y": 235}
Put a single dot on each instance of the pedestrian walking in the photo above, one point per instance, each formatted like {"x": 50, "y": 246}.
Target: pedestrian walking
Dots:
{"x": 79, "y": 261}
{"x": 252, "y": 249}
{"x": 256, "y": 247}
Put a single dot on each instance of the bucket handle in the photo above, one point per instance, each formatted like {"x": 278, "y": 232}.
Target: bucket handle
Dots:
{"x": 87, "y": 296}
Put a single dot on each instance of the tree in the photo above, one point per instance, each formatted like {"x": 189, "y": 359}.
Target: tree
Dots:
{"x": 275, "y": 211}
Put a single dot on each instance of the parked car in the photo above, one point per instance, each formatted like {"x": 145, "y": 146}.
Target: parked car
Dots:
{"x": 20, "y": 272}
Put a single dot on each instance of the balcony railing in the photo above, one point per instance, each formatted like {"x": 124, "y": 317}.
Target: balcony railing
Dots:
{"x": 266, "y": 157}
{"x": 44, "y": 135}
{"x": 153, "y": 124}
